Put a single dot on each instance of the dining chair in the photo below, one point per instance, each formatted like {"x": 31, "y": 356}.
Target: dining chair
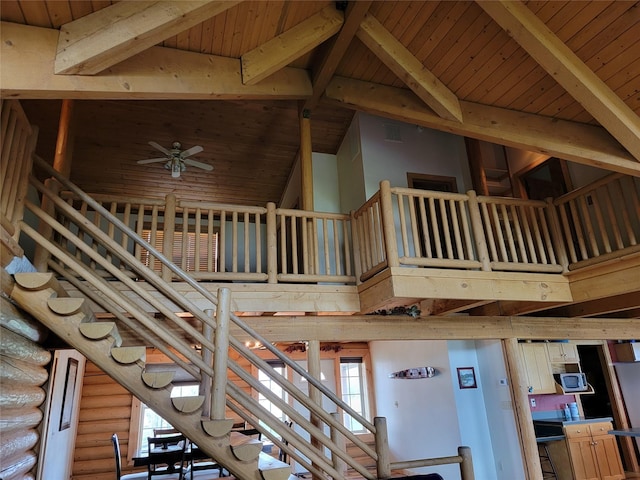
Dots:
{"x": 166, "y": 455}
{"x": 119, "y": 476}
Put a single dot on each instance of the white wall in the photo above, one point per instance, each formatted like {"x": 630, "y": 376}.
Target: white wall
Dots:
{"x": 421, "y": 413}
{"x": 351, "y": 169}
{"x": 507, "y": 456}
{"x": 326, "y": 193}
{"x": 470, "y": 405}
{"x": 420, "y": 150}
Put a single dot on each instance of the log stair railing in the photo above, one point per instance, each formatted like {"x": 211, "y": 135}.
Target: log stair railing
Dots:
{"x": 41, "y": 295}
{"x": 74, "y": 257}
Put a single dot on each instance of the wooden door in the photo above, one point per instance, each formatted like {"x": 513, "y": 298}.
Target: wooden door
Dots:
{"x": 61, "y": 415}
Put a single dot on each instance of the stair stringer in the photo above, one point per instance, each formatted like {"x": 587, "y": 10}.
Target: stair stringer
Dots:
{"x": 35, "y": 300}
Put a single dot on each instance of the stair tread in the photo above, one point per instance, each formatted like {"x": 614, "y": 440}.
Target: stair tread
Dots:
{"x": 238, "y": 439}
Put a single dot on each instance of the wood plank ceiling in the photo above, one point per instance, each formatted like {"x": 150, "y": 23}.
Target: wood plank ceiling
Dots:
{"x": 561, "y": 77}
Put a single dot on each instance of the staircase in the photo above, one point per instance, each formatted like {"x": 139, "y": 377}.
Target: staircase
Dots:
{"x": 41, "y": 295}
{"x": 76, "y": 249}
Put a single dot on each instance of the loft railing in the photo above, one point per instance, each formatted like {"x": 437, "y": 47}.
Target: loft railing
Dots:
{"x": 601, "y": 220}
{"x": 420, "y": 228}
{"x": 395, "y": 227}
{"x": 78, "y": 245}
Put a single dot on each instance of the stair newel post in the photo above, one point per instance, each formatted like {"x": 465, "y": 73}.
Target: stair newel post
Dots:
{"x": 388, "y": 224}
{"x": 478, "y": 231}
{"x": 206, "y": 383}
{"x": 383, "y": 464}
{"x": 556, "y": 235}
{"x": 221, "y": 344}
{"x": 337, "y": 438}
{"x": 168, "y": 232}
{"x": 355, "y": 242}
{"x": 272, "y": 244}
{"x": 315, "y": 370}
{"x": 466, "y": 466}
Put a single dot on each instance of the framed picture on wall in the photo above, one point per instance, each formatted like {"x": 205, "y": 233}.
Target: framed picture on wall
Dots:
{"x": 467, "y": 377}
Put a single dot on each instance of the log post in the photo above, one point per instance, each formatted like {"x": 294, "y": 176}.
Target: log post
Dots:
{"x": 466, "y": 466}
{"x": 315, "y": 370}
{"x": 168, "y": 231}
{"x": 206, "y": 382}
{"x": 520, "y": 399}
{"x": 388, "y": 224}
{"x": 382, "y": 448}
{"x": 221, "y": 344}
{"x": 338, "y": 464}
{"x": 306, "y": 162}
{"x": 478, "y": 231}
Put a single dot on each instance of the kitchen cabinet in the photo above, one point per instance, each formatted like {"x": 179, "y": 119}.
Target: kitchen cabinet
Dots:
{"x": 561, "y": 352}
{"x": 593, "y": 452}
{"x": 537, "y": 368}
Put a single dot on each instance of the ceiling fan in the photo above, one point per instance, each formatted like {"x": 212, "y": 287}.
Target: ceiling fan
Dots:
{"x": 176, "y": 158}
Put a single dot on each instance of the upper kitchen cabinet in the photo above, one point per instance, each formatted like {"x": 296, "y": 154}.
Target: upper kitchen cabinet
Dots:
{"x": 537, "y": 367}
{"x": 562, "y": 352}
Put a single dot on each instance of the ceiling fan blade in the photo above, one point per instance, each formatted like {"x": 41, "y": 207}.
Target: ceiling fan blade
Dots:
{"x": 160, "y": 147}
{"x": 201, "y": 165}
{"x": 191, "y": 151}
{"x": 151, "y": 160}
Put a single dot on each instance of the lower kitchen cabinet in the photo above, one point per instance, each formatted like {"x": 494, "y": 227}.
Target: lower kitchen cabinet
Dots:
{"x": 593, "y": 452}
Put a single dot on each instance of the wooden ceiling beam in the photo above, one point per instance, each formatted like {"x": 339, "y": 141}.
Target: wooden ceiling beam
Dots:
{"x": 95, "y": 42}
{"x": 601, "y": 306}
{"x": 327, "y": 66}
{"x": 28, "y": 54}
{"x": 578, "y": 142}
{"x": 366, "y": 328}
{"x": 568, "y": 70}
{"x": 268, "y": 58}
{"x": 409, "y": 69}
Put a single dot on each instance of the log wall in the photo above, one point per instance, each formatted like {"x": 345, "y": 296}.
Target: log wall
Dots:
{"x": 24, "y": 371}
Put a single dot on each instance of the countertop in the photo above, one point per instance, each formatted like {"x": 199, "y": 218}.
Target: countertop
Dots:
{"x": 562, "y": 422}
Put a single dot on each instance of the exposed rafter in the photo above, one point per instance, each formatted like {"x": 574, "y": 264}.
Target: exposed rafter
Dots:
{"x": 326, "y": 67}
{"x": 409, "y": 69}
{"x": 86, "y": 47}
{"x": 568, "y": 70}
{"x": 28, "y": 54}
{"x": 568, "y": 140}
{"x": 271, "y": 56}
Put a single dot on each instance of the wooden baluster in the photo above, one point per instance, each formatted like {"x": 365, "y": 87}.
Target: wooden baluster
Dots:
{"x": 586, "y": 218}
{"x": 455, "y": 219}
{"x": 272, "y": 243}
{"x": 196, "y": 240}
{"x": 478, "y": 230}
{"x": 357, "y": 247}
{"x": 466, "y": 231}
{"x": 553, "y": 237}
{"x": 577, "y": 223}
{"x": 425, "y": 228}
{"x": 223, "y": 241}
{"x": 403, "y": 226}
{"x": 168, "y": 233}
{"x": 383, "y": 463}
{"x": 247, "y": 244}
{"x": 445, "y": 227}
{"x": 325, "y": 243}
{"x": 372, "y": 247}
{"x": 211, "y": 241}
{"x": 414, "y": 226}
{"x": 139, "y": 231}
{"x": 508, "y": 228}
{"x": 315, "y": 269}
{"x": 258, "y": 223}
{"x": 568, "y": 235}
{"x": 152, "y": 237}
{"x": 490, "y": 230}
{"x": 126, "y": 219}
{"x": 536, "y": 231}
{"x": 604, "y": 235}
{"x": 234, "y": 242}
{"x": 338, "y": 464}
{"x": 612, "y": 217}
{"x": 339, "y": 270}
{"x": 347, "y": 249}
{"x": 435, "y": 226}
{"x": 497, "y": 224}
{"x": 305, "y": 245}
{"x": 294, "y": 245}
{"x": 185, "y": 238}
{"x": 526, "y": 221}
{"x": 206, "y": 381}
{"x": 519, "y": 238}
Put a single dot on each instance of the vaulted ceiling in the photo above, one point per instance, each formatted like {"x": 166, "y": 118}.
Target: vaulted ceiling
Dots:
{"x": 556, "y": 77}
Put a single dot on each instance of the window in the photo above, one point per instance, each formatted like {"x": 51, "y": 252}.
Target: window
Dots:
{"x": 150, "y": 419}
{"x": 184, "y": 253}
{"x": 268, "y": 383}
{"x": 353, "y": 390}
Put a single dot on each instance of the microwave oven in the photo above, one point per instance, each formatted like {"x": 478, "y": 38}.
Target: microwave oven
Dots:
{"x": 573, "y": 382}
